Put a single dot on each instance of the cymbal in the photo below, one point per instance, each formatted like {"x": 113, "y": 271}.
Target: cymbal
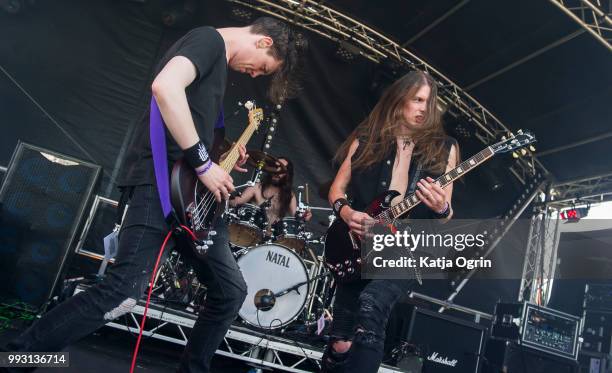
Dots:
{"x": 270, "y": 164}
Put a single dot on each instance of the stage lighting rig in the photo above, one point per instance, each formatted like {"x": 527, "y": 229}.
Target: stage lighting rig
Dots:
{"x": 574, "y": 214}
{"x": 241, "y": 14}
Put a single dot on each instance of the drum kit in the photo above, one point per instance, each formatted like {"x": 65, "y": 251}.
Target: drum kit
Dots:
{"x": 287, "y": 281}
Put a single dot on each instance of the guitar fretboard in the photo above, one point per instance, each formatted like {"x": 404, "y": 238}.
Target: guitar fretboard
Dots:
{"x": 228, "y": 163}
{"x": 412, "y": 200}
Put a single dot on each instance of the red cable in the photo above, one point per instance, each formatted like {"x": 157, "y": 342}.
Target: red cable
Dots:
{"x": 193, "y": 236}
{"x": 144, "y": 316}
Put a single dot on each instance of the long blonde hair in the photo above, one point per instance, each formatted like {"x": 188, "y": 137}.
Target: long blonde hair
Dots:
{"x": 378, "y": 131}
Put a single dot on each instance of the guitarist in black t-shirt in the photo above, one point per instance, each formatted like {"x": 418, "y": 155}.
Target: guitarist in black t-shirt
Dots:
{"x": 188, "y": 88}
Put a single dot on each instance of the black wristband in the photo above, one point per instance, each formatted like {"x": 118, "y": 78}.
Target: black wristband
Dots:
{"x": 339, "y": 204}
{"x": 196, "y": 155}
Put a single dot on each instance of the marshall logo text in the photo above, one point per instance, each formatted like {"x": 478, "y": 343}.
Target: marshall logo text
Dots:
{"x": 436, "y": 358}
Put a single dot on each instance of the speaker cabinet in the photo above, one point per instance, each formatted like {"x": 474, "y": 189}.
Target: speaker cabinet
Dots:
{"x": 42, "y": 201}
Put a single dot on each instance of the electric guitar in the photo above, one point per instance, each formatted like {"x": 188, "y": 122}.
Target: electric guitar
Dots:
{"x": 194, "y": 205}
{"x": 342, "y": 246}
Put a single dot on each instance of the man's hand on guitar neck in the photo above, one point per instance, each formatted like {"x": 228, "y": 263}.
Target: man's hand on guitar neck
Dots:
{"x": 355, "y": 220}
{"x": 218, "y": 181}
{"x": 241, "y": 161}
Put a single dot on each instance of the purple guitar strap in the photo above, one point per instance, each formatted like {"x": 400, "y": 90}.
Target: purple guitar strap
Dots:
{"x": 157, "y": 131}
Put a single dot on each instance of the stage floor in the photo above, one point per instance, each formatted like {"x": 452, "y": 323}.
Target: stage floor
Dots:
{"x": 110, "y": 350}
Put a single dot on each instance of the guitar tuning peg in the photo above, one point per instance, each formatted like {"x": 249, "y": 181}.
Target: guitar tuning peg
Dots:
{"x": 520, "y": 132}
{"x": 523, "y": 151}
{"x": 532, "y": 148}
{"x": 515, "y": 155}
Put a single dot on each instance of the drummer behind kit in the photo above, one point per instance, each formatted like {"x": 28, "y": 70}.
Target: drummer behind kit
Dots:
{"x": 284, "y": 278}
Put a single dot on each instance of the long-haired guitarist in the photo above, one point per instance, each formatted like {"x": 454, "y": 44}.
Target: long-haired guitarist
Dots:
{"x": 401, "y": 145}
{"x": 188, "y": 88}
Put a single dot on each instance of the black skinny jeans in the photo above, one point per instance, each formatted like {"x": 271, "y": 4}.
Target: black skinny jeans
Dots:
{"x": 127, "y": 280}
{"x": 361, "y": 313}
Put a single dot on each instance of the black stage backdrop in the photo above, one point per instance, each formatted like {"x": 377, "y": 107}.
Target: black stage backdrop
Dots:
{"x": 76, "y": 78}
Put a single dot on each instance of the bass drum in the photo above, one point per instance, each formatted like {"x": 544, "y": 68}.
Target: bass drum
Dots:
{"x": 269, "y": 269}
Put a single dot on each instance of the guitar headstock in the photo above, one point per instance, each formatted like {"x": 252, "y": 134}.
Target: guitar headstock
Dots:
{"x": 514, "y": 142}
{"x": 255, "y": 114}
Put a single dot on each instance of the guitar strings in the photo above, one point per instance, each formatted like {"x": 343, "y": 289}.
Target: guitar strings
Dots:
{"x": 231, "y": 159}
{"x": 209, "y": 197}
{"x": 200, "y": 212}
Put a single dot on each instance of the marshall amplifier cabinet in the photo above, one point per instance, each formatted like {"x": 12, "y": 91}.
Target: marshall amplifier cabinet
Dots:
{"x": 446, "y": 344}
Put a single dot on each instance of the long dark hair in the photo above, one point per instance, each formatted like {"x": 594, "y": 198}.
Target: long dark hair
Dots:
{"x": 379, "y": 129}
{"x": 286, "y": 187}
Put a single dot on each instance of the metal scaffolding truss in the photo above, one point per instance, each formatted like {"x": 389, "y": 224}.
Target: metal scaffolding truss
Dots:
{"x": 594, "y": 15}
{"x": 263, "y": 350}
{"x": 592, "y": 189}
{"x": 533, "y": 187}
{"x": 375, "y": 46}
{"x": 540, "y": 257}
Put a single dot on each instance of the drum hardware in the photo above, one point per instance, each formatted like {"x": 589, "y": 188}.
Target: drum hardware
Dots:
{"x": 177, "y": 283}
{"x": 265, "y": 162}
{"x": 298, "y": 285}
{"x": 240, "y": 251}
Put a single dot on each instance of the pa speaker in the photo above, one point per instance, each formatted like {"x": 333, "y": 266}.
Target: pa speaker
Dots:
{"x": 42, "y": 201}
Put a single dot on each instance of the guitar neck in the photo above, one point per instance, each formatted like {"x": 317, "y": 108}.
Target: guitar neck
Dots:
{"x": 463, "y": 168}
{"x": 230, "y": 161}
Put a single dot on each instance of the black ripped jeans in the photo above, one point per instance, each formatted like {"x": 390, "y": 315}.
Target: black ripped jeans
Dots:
{"x": 141, "y": 237}
{"x": 361, "y": 313}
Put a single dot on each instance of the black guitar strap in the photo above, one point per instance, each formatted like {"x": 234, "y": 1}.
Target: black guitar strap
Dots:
{"x": 411, "y": 189}
{"x": 415, "y": 178}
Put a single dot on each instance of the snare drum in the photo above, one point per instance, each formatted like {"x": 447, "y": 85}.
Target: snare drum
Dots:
{"x": 247, "y": 225}
{"x": 289, "y": 232}
{"x": 268, "y": 270}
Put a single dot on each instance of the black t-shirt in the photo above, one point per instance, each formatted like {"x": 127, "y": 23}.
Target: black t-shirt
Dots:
{"x": 205, "y": 48}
